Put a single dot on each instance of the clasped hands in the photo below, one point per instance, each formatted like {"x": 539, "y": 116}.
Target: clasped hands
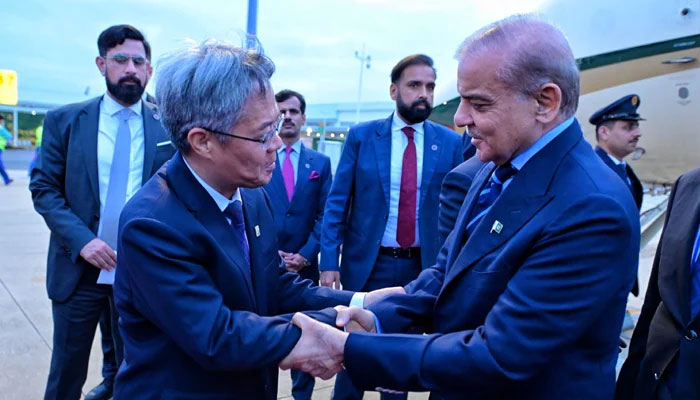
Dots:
{"x": 320, "y": 350}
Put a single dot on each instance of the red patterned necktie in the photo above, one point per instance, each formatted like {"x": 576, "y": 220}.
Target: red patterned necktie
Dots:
{"x": 288, "y": 173}
{"x": 406, "y": 226}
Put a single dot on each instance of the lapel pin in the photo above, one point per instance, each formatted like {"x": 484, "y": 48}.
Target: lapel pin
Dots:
{"x": 307, "y": 165}
{"x": 156, "y": 116}
{"x": 497, "y": 227}
{"x": 434, "y": 147}
{"x": 257, "y": 230}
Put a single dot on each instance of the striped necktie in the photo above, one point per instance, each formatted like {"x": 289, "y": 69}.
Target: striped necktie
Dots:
{"x": 489, "y": 195}
{"x": 234, "y": 212}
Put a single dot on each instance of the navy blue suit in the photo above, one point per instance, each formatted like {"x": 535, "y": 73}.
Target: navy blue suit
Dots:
{"x": 358, "y": 204}
{"x": 197, "y": 321}
{"x": 299, "y": 223}
{"x": 453, "y": 192}
{"x": 531, "y": 312}
{"x": 65, "y": 190}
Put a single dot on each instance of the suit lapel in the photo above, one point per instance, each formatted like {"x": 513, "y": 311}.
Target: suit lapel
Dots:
{"x": 382, "y": 152}
{"x": 88, "y": 133}
{"x": 303, "y": 171}
{"x": 678, "y": 242}
{"x": 432, "y": 147}
{"x": 151, "y": 127}
{"x": 524, "y": 197}
{"x": 205, "y": 210}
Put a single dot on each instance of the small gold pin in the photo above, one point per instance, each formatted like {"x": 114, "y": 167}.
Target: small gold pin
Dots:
{"x": 257, "y": 230}
{"x": 497, "y": 227}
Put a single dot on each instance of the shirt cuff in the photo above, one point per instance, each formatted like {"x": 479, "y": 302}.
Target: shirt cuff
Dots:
{"x": 358, "y": 299}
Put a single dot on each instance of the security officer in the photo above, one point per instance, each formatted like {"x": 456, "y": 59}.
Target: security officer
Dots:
{"x": 617, "y": 133}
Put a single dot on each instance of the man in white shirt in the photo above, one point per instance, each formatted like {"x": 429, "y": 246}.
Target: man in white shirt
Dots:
{"x": 95, "y": 156}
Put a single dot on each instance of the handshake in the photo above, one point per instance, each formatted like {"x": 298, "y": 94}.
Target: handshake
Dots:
{"x": 320, "y": 349}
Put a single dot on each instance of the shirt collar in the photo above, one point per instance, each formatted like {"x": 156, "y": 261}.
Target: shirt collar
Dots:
{"x": 221, "y": 201}
{"x": 397, "y": 124}
{"x": 111, "y": 107}
{"x": 296, "y": 146}
{"x": 521, "y": 159}
{"x": 615, "y": 160}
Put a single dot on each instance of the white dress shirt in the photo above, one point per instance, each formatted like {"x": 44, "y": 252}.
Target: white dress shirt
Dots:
{"x": 399, "y": 141}
{"x": 106, "y": 137}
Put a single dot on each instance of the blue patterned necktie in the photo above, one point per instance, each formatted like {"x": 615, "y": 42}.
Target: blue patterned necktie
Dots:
{"x": 234, "y": 212}
{"x": 695, "y": 277}
{"x": 489, "y": 195}
{"x": 118, "y": 179}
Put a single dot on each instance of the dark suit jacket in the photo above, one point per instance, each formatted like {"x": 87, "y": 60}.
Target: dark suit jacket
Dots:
{"x": 636, "y": 187}
{"x": 662, "y": 340}
{"x": 358, "y": 203}
{"x": 299, "y": 223}
{"x": 65, "y": 186}
{"x": 197, "y": 321}
{"x": 468, "y": 149}
{"x": 532, "y": 312}
{"x": 453, "y": 192}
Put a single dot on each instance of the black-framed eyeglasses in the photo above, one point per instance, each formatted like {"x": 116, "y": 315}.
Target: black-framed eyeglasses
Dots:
{"x": 123, "y": 59}
{"x": 265, "y": 142}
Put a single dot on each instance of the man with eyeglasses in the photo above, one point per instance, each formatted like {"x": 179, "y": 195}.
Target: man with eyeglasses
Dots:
{"x": 199, "y": 285}
{"x": 95, "y": 156}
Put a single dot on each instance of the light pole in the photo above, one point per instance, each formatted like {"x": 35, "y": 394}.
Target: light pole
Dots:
{"x": 252, "y": 28}
{"x": 364, "y": 60}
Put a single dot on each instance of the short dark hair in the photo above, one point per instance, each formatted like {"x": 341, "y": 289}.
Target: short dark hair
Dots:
{"x": 116, "y": 35}
{"x": 415, "y": 59}
{"x": 286, "y": 94}
{"x": 608, "y": 124}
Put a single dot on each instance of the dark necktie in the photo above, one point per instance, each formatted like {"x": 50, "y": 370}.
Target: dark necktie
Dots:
{"x": 234, "y": 212}
{"x": 406, "y": 225}
{"x": 118, "y": 180}
{"x": 623, "y": 173}
{"x": 288, "y": 173}
{"x": 489, "y": 194}
{"x": 695, "y": 278}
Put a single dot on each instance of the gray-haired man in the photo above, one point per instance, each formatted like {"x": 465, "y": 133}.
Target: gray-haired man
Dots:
{"x": 199, "y": 282}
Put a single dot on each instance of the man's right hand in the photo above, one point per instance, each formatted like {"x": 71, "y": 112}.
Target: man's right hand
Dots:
{"x": 355, "y": 319}
{"x": 99, "y": 254}
{"x": 330, "y": 278}
{"x": 376, "y": 295}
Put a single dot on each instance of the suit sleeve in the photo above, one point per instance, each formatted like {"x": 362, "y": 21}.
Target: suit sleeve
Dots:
{"x": 638, "y": 345}
{"x": 298, "y": 294}
{"x": 337, "y": 205}
{"x": 48, "y": 192}
{"x": 312, "y": 246}
{"x": 558, "y": 291}
{"x": 175, "y": 292}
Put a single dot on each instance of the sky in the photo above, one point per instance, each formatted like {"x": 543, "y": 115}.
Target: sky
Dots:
{"x": 52, "y": 44}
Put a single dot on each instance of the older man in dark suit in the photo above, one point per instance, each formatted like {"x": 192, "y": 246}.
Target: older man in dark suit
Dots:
{"x": 95, "y": 156}
{"x": 664, "y": 355}
{"x": 528, "y": 294}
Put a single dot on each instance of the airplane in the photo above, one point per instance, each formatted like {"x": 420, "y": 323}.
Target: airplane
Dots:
{"x": 647, "y": 47}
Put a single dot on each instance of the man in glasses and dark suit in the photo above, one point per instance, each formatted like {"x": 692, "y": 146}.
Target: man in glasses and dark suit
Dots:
{"x": 95, "y": 156}
{"x": 199, "y": 285}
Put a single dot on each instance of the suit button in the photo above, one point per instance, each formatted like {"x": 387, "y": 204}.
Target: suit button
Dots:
{"x": 656, "y": 376}
{"x": 691, "y": 335}
{"x": 288, "y": 213}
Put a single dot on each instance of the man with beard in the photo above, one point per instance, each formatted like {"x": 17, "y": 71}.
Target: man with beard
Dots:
{"x": 95, "y": 156}
{"x": 298, "y": 191}
{"x": 383, "y": 204}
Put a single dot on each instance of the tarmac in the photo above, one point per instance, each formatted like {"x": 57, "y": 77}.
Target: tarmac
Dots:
{"x": 26, "y": 325}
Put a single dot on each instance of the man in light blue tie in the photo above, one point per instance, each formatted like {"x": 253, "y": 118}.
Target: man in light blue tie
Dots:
{"x": 95, "y": 156}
